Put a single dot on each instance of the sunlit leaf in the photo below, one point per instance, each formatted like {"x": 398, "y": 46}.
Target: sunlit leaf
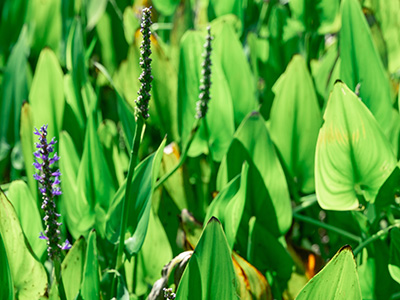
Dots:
{"x": 27, "y": 285}
{"x": 7, "y": 289}
{"x": 295, "y": 121}
{"x": 90, "y": 289}
{"x": 209, "y": 273}
{"x": 337, "y": 280}
{"x": 361, "y": 64}
{"x": 28, "y": 214}
{"x": 353, "y": 156}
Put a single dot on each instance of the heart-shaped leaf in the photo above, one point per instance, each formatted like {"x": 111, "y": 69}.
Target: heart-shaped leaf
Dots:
{"x": 353, "y": 156}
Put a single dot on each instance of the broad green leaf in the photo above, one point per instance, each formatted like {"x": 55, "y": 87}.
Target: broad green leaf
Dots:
{"x": 94, "y": 10}
{"x": 72, "y": 268}
{"x": 321, "y": 16}
{"x": 46, "y": 96}
{"x": 266, "y": 253}
{"x": 77, "y": 68}
{"x": 353, "y": 157}
{"x": 7, "y": 289}
{"x": 361, "y": 64}
{"x": 166, "y": 7}
{"x": 218, "y": 8}
{"x": 295, "y": 121}
{"x": 27, "y": 285}
{"x": 228, "y": 49}
{"x": 220, "y": 115}
{"x": 337, "y": 280}
{"x": 28, "y": 214}
{"x": 366, "y": 274}
{"x": 176, "y": 185}
{"x": 394, "y": 258}
{"x": 15, "y": 87}
{"x": 45, "y": 19}
{"x": 28, "y": 147}
{"x": 229, "y": 204}
{"x": 90, "y": 289}
{"x": 267, "y": 185}
{"x": 108, "y": 136}
{"x": 94, "y": 180}
{"x": 164, "y": 89}
{"x": 142, "y": 186}
{"x": 209, "y": 273}
{"x": 78, "y": 213}
{"x": 131, "y": 24}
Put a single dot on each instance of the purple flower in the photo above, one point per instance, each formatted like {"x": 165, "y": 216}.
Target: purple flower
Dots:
{"x": 49, "y": 181}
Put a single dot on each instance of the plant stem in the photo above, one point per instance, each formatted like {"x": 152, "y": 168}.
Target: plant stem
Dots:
{"x": 327, "y": 227}
{"x": 57, "y": 273}
{"x": 182, "y": 159}
{"x": 125, "y": 207}
{"x": 373, "y": 238}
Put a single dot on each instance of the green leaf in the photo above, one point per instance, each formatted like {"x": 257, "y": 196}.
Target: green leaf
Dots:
{"x": 142, "y": 186}
{"x": 15, "y": 89}
{"x": 218, "y": 8}
{"x": 72, "y": 268}
{"x": 267, "y": 253}
{"x": 166, "y": 7}
{"x": 28, "y": 147}
{"x": 295, "y": 135}
{"x": 337, "y": 280}
{"x": 90, "y": 289}
{"x": 353, "y": 157}
{"x": 28, "y": 214}
{"x": 27, "y": 285}
{"x": 94, "y": 179}
{"x": 78, "y": 213}
{"x": 267, "y": 185}
{"x": 46, "y": 21}
{"x": 209, "y": 273}
{"x": 361, "y": 64}
{"x": 229, "y": 204}
{"x": 46, "y": 96}
{"x": 94, "y": 10}
{"x": 228, "y": 49}
{"x": 394, "y": 258}
{"x": 220, "y": 115}
{"x": 7, "y": 290}
{"x": 389, "y": 190}
{"x": 131, "y": 24}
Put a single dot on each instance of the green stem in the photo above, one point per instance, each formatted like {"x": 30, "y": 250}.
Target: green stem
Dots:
{"x": 327, "y": 227}
{"x": 59, "y": 282}
{"x": 125, "y": 208}
{"x": 373, "y": 238}
{"x": 182, "y": 159}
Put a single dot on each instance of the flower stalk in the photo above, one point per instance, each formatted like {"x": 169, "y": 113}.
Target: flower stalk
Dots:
{"x": 49, "y": 187}
{"x": 201, "y": 106}
{"x": 142, "y": 109}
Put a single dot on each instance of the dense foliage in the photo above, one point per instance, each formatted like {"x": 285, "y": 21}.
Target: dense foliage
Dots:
{"x": 199, "y": 149}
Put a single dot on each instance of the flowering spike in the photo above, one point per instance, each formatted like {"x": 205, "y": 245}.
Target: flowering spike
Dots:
{"x": 204, "y": 96}
{"x": 49, "y": 181}
{"x": 142, "y": 101}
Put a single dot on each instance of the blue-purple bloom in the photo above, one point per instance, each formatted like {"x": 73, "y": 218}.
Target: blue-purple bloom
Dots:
{"x": 49, "y": 181}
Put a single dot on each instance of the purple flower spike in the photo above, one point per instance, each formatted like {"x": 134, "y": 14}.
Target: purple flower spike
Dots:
{"x": 49, "y": 181}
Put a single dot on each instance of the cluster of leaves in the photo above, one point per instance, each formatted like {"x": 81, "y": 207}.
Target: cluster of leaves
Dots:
{"x": 296, "y": 156}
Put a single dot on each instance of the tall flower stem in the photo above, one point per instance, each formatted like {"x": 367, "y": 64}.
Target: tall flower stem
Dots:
{"x": 140, "y": 126}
